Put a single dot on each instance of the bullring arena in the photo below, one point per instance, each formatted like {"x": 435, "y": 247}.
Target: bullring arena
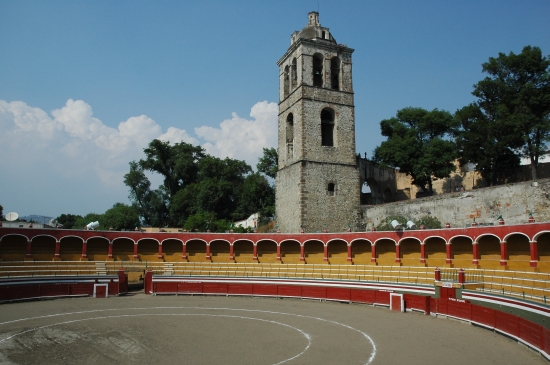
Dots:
{"x": 333, "y": 298}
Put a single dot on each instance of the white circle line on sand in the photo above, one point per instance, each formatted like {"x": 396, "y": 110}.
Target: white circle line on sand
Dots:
{"x": 367, "y": 337}
{"x": 307, "y": 336}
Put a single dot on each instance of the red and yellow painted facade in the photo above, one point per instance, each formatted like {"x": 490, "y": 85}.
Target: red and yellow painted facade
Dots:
{"x": 517, "y": 247}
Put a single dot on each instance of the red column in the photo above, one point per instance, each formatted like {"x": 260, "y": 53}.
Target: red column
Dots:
{"x": 302, "y": 257}
{"x": 148, "y": 282}
{"x": 29, "y": 249}
{"x": 475, "y": 253}
{"x": 349, "y": 253}
{"x": 503, "y": 254}
{"x": 57, "y": 249}
{"x": 437, "y": 273}
{"x": 397, "y": 253}
{"x": 255, "y": 254}
{"x": 448, "y": 248}
{"x": 208, "y": 252}
{"x": 279, "y": 252}
{"x": 534, "y": 253}
{"x": 325, "y": 253}
{"x": 84, "y": 249}
{"x": 160, "y": 250}
{"x": 231, "y": 252}
{"x": 373, "y": 252}
{"x": 184, "y": 251}
{"x": 135, "y": 250}
{"x": 422, "y": 253}
{"x": 110, "y": 254}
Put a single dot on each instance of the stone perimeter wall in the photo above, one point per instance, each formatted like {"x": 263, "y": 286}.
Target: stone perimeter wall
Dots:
{"x": 512, "y": 201}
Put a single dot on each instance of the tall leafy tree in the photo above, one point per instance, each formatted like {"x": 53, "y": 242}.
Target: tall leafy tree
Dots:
{"x": 487, "y": 141}
{"x": 418, "y": 144}
{"x": 268, "y": 163}
{"x": 120, "y": 216}
{"x": 516, "y": 94}
{"x": 69, "y": 221}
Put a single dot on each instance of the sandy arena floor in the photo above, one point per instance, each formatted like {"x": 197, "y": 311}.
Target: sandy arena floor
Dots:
{"x": 140, "y": 329}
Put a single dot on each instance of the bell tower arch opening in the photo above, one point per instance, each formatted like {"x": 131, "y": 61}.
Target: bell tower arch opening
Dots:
{"x": 327, "y": 128}
{"x": 317, "y": 70}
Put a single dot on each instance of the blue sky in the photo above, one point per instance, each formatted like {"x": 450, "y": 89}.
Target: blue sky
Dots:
{"x": 84, "y": 85}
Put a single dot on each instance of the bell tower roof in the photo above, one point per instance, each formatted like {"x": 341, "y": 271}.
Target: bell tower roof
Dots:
{"x": 313, "y": 30}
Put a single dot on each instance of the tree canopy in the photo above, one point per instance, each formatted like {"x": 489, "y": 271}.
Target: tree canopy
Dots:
{"x": 511, "y": 118}
{"x": 418, "y": 144}
{"x": 269, "y": 162}
{"x": 197, "y": 189}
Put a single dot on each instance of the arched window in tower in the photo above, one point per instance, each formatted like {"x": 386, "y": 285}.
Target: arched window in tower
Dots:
{"x": 289, "y": 136}
{"x": 318, "y": 70}
{"x": 330, "y": 189}
{"x": 286, "y": 84}
{"x": 327, "y": 128}
{"x": 335, "y": 73}
{"x": 289, "y": 128}
{"x": 294, "y": 79}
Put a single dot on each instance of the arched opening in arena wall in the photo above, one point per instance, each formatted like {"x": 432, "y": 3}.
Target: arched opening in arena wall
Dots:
{"x": 13, "y": 247}
{"x": 267, "y": 251}
{"x": 543, "y": 248}
{"x": 337, "y": 252}
{"x": 196, "y": 250}
{"x": 436, "y": 251}
{"x": 219, "y": 251}
{"x": 314, "y": 252}
{"x": 97, "y": 248}
{"x": 243, "y": 251}
{"x": 489, "y": 252}
{"x": 410, "y": 252}
{"x": 70, "y": 248}
{"x": 148, "y": 249}
{"x": 519, "y": 252}
{"x": 463, "y": 251}
{"x": 172, "y": 250}
{"x": 290, "y": 252}
{"x": 361, "y": 252}
{"x": 123, "y": 249}
{"x": 385, "y": 252}
{"x": 43, "y": 248}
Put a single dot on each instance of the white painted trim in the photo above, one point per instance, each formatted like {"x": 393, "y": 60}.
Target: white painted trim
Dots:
{"x": 399, "y": 297}
{"x": 106, "y": 289}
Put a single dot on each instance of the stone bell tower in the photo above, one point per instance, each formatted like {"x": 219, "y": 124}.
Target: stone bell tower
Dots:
{"x": 317, "y": 181}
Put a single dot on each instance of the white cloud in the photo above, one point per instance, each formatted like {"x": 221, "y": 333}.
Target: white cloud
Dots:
{"x": 68, "y": 161}
{"x": 241, "y": 138}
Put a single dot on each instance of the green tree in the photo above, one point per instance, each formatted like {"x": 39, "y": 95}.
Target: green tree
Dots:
{"x": 429, "y": 222}
{"x": 140, "y": 191}
{"x": 418, "y": 144}
{"x": 385, "y": 224}
{"x": 69, "y": 221}
{"x": 268, "y": 163}
{"x": 81, "y": 222}
{"x": 257, "y": 195}
{"x": 120, "y": 216}
{"x": 1, "y": 213}
{"x": 516, "y": 94}
{"x": 488, "y": 141}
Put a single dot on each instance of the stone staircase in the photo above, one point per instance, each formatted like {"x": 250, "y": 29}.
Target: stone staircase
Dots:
{"x": 168, "y": 268}
{"x": 100, "y": 268}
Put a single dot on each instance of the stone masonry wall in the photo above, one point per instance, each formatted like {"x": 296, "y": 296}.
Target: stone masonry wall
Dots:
{"x": 512, "y": 201}
{"x": 322, "y": 210}
{"x": 287, "y": 202}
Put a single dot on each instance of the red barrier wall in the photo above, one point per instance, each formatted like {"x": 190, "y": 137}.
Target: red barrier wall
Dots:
{"x": 49, "y": 287}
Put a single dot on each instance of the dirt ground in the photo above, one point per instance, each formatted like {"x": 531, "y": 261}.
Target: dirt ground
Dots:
{"x": 140, "y": 329}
